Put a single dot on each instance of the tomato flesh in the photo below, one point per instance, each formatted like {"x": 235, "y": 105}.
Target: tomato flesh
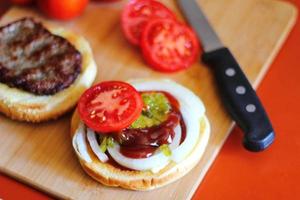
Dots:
{"x": 62, "y": 9}
{"x": 168, "y": 45}
{"x": 110, "y": 106}
{"x": 136, "y": 15}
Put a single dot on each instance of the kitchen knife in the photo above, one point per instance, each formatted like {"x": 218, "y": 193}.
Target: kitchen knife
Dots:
{"x": 237, "y": 93}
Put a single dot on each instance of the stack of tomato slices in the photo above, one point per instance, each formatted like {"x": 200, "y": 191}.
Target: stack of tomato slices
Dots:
{"x": 167, "y": 44}
{"x": 109, "y": 108}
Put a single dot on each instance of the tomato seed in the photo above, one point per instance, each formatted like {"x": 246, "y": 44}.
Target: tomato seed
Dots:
{"x": 123, "y": 101}
{"x": 102, "y": 119}
{"x": 115, "y": 95}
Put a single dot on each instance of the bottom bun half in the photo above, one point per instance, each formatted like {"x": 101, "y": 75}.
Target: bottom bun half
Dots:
{"x": 24, "y": 106}
{"x": 111, "y": 175}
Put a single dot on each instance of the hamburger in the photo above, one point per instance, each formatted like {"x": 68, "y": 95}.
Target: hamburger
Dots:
{"x": 139, "y": 135}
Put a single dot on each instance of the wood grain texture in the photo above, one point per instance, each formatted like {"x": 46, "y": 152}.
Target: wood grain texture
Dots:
{"x": 41, "y": 154}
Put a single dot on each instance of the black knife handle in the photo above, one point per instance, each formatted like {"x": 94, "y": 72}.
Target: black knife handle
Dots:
{"x": 241, "y": 100}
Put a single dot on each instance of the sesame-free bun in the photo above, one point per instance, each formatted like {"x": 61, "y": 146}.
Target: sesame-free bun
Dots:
{"x": 25, "y": 106}
{"x": 111, "y": 175}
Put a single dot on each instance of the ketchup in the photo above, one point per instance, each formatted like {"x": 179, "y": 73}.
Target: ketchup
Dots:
{"x": 138, "y": 151}
{"x": 143, "y": 142}
{"x": 153, "y": 136}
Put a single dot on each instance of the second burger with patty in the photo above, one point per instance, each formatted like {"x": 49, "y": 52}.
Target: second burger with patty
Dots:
{"x": 42, "y": 72}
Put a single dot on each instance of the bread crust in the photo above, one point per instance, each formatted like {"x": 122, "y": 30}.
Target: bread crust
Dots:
{"x": 24, "y": 106}
{"x": 110, "y": 175}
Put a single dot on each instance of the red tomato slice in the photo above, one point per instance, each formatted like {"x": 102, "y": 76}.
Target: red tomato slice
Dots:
{"x": 62, "y": 9}
{"x": 169, "y": 46}
{"x": 110, "y": 106}
{"x": 137, "y": 13}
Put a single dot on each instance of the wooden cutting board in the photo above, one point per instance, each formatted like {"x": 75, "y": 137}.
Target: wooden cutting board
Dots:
{"x": 41, "y": 154}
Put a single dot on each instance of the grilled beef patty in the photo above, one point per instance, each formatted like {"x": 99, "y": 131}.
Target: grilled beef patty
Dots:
{"x": 35, "y": 60}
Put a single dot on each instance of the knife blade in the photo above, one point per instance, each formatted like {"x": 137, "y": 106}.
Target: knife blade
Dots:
{"x": 237, "y": 94}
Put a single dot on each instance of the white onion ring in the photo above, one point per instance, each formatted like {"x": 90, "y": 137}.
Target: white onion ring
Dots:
{"x": 177, "y": 137}
{"x": 192, "y": 111}
{"x": 154, "y": 163}
{"x": 190, "y": 106}
{"x": 91, "y": 136}
{"x": 79, "y": 143}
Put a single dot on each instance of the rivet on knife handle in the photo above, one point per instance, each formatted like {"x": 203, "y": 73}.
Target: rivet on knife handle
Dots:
{"x": 241, "y": 100}
{"x": 238, "y": 95}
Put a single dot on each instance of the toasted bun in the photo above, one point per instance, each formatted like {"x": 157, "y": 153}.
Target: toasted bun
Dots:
{"x": 110, "y": 175}
{"x": 24, "y": 106}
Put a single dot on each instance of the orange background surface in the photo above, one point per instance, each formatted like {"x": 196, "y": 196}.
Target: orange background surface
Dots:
{"x": 236, "y": 173}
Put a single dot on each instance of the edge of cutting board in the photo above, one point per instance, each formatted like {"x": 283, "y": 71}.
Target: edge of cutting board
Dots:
{"x": 280, "y": 42}
{"x": 261, "y": 74}
{"x": 28, "y": 182}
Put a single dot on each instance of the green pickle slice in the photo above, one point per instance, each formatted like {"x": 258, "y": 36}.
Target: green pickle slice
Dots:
{"x": 155, "y": 111}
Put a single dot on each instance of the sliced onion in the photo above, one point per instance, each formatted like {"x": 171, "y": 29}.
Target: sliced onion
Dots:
{"x": 91, "y": 136}
{"x": 192, "y": 134}
{"x": 177, "y": 137}
{"x": 181, "y": 94}
{"x": 154, "y": 163}
{"x": 79, "y": 143}
{"x": 190, "y": 106}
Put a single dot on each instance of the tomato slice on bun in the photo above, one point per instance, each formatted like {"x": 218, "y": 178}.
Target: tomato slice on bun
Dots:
{"x": 110, "y": 106}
